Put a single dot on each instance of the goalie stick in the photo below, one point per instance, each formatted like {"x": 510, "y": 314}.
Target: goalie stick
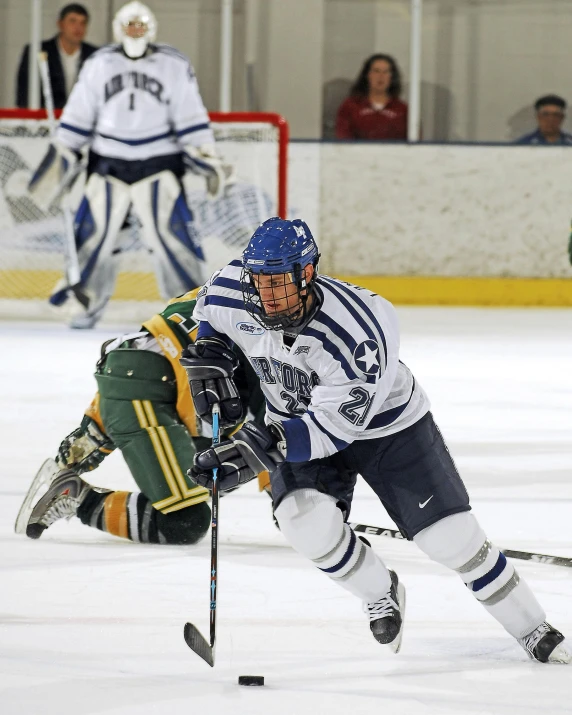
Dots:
{"x": 511, "y": 553}
{"x": 73, "y": 273}
{"x": 193, "y": 637}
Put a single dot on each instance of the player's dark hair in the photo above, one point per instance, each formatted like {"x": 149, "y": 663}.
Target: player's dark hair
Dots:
{"x": 552, "y": 99}
{"x": 73, "y": 7}
{"x": 360, "y": 87}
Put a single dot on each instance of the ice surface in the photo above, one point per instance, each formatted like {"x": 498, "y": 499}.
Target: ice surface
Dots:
{"x": 90, "y": 624}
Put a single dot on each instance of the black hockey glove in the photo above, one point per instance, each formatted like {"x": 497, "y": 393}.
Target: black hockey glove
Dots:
{"x": 251, "y": 450}
{"x": 209, "y": 365}
{"x": 85, "y": 448}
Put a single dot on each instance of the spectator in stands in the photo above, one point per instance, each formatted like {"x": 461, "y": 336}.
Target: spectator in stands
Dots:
{"x": 373, "y": 109}
{"x": 550, "y": 113}
{"x": 66, "y": 54}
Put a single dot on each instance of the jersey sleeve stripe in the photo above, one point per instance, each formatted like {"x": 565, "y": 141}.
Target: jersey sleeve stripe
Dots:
{"x": 276, "y": 411}
{"x": 224, "y": 302}
{"x": 334, "y": 288}
{"x": 195, "y": 128}
{"x": 76, "y": 130}
{"x": 337, "y": 330}
{"x": 361, "y": 304}
{"x": 339, "y": 444}
{"x": 206, "y": 330}
{"x": 383, "y": 419}
{"x": 230, "y": 283}
{"x": 137, "y": 142}
{"x": 334, "y": 351}
{"x": 298, "y": 442}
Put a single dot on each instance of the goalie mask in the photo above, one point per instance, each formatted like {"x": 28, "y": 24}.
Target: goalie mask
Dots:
{"x": 276, "y": 281}
{"x": 134, "y": 27}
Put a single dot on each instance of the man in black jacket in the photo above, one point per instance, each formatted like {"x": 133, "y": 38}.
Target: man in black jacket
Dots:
{"x": 66, "y": 54}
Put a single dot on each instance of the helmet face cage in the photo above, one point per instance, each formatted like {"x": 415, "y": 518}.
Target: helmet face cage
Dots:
{"x": 134, "y": 27}
{"x": 291, "y": 287}
{"x": 273, "y": 280}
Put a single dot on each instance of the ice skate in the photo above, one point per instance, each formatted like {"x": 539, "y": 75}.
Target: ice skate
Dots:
{"x": 88, "y": 319}
{"x": 386, "y": 615}
{"x": 39, "y": 486}
{"x": 546, "y": 645}
{"x": 61, "y": 501}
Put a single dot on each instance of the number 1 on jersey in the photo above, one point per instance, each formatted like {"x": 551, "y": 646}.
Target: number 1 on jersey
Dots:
{"x": 132, "y": 101}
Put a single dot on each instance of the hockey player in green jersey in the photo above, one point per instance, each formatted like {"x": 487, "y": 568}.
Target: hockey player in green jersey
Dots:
{"x": 144, "y": 408}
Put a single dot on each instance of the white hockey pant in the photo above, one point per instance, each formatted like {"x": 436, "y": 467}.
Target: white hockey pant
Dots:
{"x": 459, "y": 543}
{"x": 314, "y": 526}
{"x": 168, "y": 233}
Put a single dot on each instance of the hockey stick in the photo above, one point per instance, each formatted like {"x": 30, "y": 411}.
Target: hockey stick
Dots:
{"x": 73, "y": 273}
{"x": 522, "y": 555}
{"x": 193, "y": 637}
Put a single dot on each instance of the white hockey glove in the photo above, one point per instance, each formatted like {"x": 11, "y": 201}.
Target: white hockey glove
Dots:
{"x": 55, "y": 175}
{"x": 205, "y": 161}
{"x": 251, "y": 450}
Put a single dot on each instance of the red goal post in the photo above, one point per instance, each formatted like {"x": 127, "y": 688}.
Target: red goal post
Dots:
{"x": 272, "y": 119}
{"x": 255, "y": 143}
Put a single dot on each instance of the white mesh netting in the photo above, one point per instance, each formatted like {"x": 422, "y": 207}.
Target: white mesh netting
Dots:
{"x": 32, "y": 240}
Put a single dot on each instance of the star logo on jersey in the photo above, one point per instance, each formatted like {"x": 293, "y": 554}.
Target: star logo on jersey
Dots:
{"x": 366, "y": 357}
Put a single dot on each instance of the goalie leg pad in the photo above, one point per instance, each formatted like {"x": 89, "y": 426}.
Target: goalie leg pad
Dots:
{"x": 314, "y": 526}
{"x": 169, "y": 233}
{"x": 98, "y": 220}
{"x": 459, "y": 542}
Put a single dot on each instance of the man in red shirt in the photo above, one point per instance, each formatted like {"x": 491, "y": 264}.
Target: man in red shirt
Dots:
{"x": 373, "y": 109}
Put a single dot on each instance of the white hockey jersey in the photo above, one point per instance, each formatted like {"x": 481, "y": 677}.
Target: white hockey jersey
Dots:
{"x": 135, "y": 109}
{"x": 340, "y": 381}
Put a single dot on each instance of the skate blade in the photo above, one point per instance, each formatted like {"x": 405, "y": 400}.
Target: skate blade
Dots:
{"x": 43, "y": 478}
{"x": 560, "y": 655}
{"x": 395, "y": 644}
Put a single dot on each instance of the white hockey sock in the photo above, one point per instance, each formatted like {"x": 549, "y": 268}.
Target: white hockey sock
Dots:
{"x": 313, "y": 525}
{"x": 459, "y": 542}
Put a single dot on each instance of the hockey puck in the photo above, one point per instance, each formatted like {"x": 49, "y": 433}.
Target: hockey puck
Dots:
{"x": 251, "y": 680}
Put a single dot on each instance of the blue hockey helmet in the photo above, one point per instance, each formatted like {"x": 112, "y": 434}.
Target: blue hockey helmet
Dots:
{"x": 280, "y": 247}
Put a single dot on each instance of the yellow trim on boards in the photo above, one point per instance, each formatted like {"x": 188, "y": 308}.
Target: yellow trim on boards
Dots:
{"x": 470, "y": 291}
{"x": 404, "y": 290}
{"x": 34, "y": 284}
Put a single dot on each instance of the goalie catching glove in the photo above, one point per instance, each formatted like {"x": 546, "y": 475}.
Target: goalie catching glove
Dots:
{"x": 210, "y": 365}
{"x": 205, "y": 161}
{"x": 253, "y": 449}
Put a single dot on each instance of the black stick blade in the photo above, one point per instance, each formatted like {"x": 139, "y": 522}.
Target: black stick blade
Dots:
{"x": 196, "y": 642}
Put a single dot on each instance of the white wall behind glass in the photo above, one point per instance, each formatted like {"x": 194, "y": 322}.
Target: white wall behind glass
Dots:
{"x": 484, "y": 61}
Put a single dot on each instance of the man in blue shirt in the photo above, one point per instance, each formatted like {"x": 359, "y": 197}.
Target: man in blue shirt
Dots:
{"x": 550, "y": 113}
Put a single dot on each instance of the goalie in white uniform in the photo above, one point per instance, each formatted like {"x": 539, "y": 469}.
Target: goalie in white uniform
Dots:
{"x": 138, "y": 107}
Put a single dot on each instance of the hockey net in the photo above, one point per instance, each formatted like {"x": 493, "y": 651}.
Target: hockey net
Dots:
{"x": 32, "y": 240}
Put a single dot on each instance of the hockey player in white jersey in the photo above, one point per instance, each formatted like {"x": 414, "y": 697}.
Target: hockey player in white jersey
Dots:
{"x": 339, "y": 403}
{"x": 137, "y": 106}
